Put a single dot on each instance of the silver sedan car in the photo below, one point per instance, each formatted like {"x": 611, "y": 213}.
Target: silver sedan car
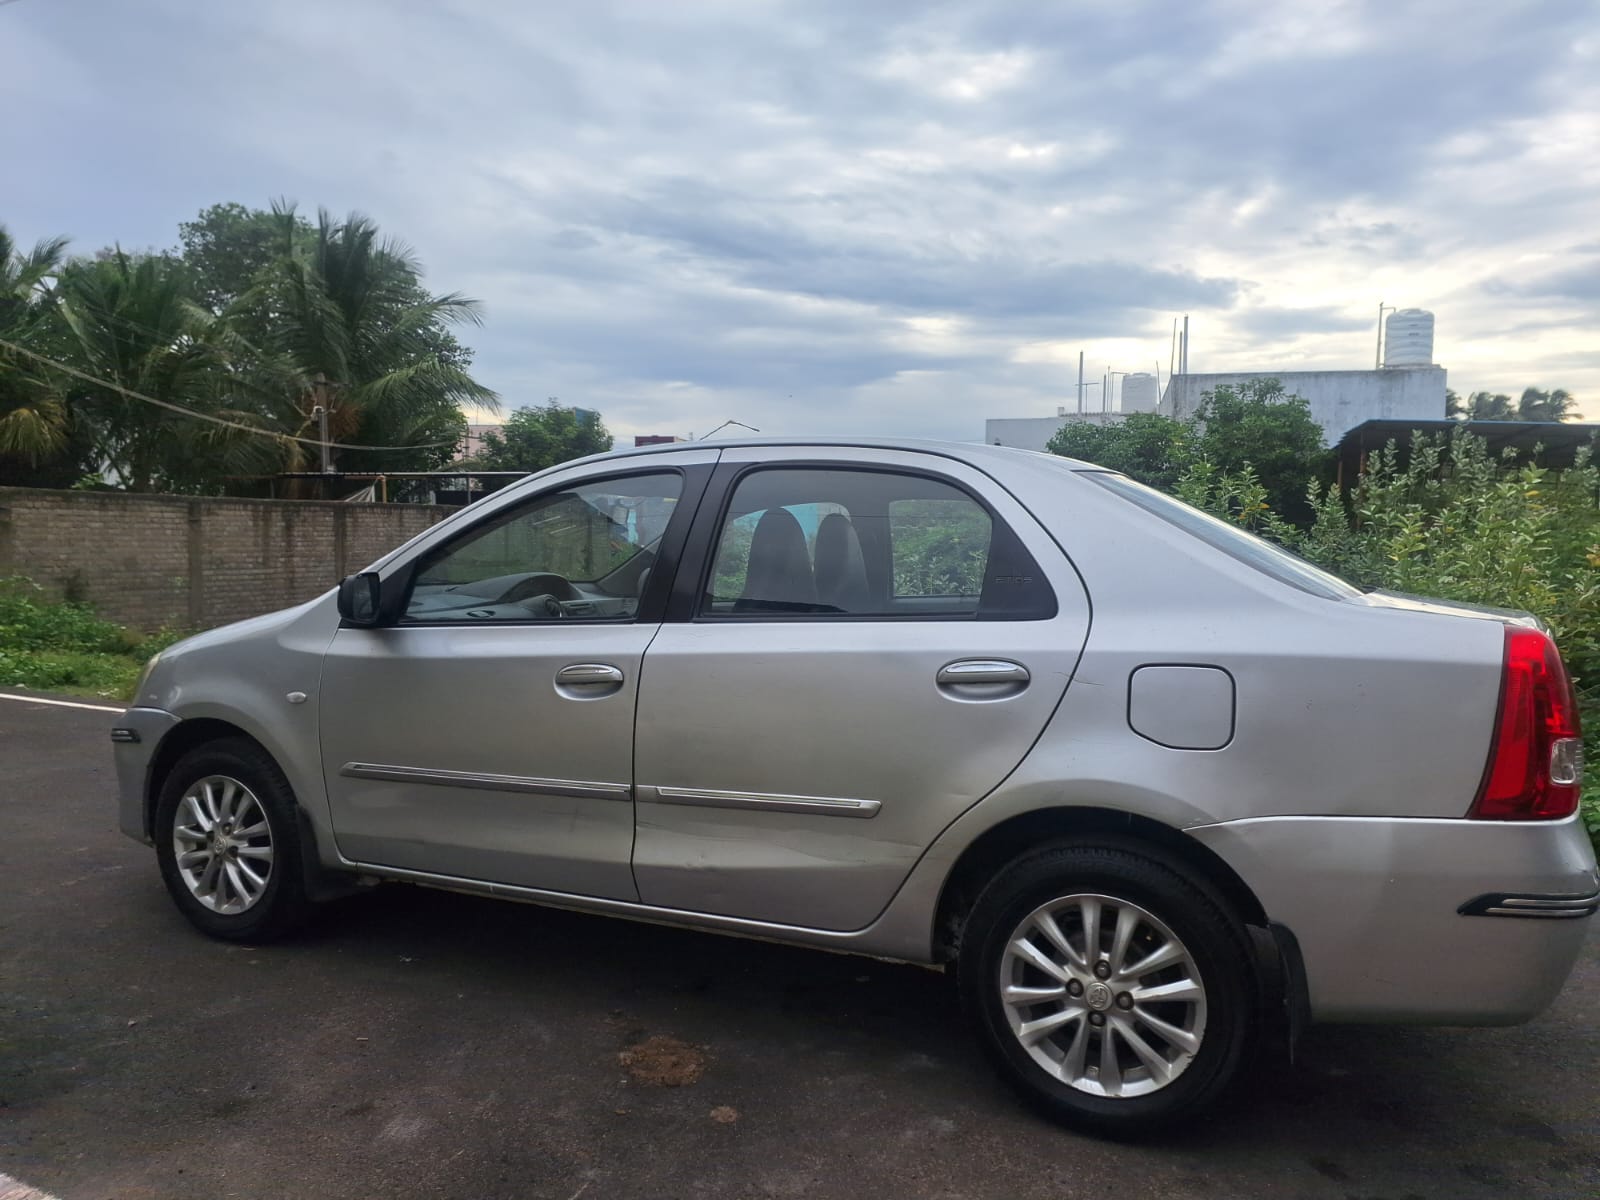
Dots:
{"x": 1157, "y": 792}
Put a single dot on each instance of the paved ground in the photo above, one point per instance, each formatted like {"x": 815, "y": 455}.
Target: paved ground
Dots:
{"x": 423, "y": 1044}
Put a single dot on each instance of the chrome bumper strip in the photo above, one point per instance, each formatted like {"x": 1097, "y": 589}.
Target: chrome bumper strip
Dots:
{"x": 1512, "y": 904}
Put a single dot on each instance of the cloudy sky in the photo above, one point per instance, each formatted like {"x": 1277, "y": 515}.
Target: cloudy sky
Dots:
{"x": 865, "y": 216}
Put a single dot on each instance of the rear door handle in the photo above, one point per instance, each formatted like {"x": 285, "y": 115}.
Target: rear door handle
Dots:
{"x": 982, "y": 670}
{"x": 589, "y": 675}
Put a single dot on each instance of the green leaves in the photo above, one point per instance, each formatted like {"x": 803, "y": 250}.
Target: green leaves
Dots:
{"x": 35, "y": 424}
{"x": 535, "y": 438}
{"x": 346, "y": 307}
{"x": 1148, "y": 447}
{"x": 259, "y": 318}
{"x": 1254, "y": 428}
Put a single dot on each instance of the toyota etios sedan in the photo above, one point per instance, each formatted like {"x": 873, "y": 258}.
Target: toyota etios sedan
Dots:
{"x": 1154, "y": 787}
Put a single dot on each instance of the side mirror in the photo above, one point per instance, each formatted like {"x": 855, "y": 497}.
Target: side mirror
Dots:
{"x": 360, "y": 599}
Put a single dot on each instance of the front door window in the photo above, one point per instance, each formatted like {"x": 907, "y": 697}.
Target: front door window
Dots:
{"x": 582, "y": 553}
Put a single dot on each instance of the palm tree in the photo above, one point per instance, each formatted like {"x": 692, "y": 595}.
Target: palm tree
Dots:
{"x": 368, "y": 342}
{"x": 1536, "y": 405}
{"x": 1489, "y": 406}
{"x": 133, "y": 323}
{"x": 34, "y": 421}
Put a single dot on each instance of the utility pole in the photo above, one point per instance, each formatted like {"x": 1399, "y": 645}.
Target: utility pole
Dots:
{"x": 1183, "y": 346}
{"x": 1080, "y": 383}
{"x": 319, "y": 410}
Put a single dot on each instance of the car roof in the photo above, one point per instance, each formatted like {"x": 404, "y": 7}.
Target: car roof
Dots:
{"x": 977, "y": 454}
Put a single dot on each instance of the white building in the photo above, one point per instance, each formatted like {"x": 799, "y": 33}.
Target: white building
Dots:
{"x": 1034, "y": 433}
{"x": 1408, "y": 387}
{"x": 1339, "y": 400}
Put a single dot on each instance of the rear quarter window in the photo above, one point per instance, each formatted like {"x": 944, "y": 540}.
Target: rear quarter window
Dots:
{"x": 1270, "y": 559}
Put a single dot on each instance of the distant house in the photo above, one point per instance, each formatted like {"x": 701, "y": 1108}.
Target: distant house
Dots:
{"x": 472, "y": 444}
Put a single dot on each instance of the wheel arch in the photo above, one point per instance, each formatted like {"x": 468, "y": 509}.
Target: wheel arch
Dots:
{"x": 182, "y": 738}
{"x": 1003, "y": 842}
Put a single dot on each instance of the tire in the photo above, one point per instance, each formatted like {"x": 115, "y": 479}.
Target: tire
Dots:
{"x": 1205, "y": 1015}
{"x": 255, "y": 890}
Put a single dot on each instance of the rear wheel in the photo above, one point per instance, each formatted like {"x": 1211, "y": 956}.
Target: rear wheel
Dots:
{"x": 229, "y": 844}
{"x": 1112, "y": 989}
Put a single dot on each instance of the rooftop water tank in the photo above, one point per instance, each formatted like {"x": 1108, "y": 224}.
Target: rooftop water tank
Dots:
{"x": 1139, "y": 392}
{"x": 1408, "y": 338}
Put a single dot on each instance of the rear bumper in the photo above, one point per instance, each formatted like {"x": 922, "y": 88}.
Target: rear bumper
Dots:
{"x": 135, "y": 738}
{"x": 1414, "y": 920}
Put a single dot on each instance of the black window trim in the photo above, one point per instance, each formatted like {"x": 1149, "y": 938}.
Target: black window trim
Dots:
{"x": 694, "y": 569}
{"x": 652, "y": 605}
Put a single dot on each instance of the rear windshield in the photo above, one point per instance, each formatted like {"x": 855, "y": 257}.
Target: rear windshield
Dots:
{"x": 1256, "y": 552}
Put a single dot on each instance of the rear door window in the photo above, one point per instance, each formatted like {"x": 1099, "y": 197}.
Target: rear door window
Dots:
{"x": 840, "y": 543}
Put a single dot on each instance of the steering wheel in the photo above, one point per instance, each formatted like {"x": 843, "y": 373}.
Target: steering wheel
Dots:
{"x": 544, "y": 604}
{"x": 533, "y": 588}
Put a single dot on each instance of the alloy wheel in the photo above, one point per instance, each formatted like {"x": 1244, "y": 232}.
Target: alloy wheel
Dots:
{"x": 1102, "y": 995}
{"x": 222, "y": 842}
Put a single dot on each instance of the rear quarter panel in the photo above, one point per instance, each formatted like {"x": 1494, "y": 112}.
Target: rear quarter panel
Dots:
{"x": 1343, "y": 707}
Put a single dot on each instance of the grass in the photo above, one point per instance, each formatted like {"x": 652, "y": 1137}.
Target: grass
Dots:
{"x": 53, "y": 646}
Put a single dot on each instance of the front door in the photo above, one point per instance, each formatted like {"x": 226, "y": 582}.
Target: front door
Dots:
{"x": 877, "y": 641}
{"x": 489, "y": 734}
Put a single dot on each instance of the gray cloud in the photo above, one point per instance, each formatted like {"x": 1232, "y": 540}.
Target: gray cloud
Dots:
{"x": 1579, "y": 282}
{"x": 841, "y": 216}
{"x": 1271, "y": 323}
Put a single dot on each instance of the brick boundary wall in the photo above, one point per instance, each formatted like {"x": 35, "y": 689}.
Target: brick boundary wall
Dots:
{"x": 174, "y": 561}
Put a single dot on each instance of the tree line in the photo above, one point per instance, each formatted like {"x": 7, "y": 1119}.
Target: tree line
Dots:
{"x": 1533, "y": 405}
{"x": 1257, "y": 425}
{"x": 256, "y": 320}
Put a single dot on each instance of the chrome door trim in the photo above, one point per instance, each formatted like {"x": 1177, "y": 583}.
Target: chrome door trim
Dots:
{"x": 829, "y": 806}
{"x": 494, "y": 783}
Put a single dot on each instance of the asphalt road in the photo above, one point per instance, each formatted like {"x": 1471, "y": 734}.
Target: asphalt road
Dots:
{"x": 416, "y": 1043}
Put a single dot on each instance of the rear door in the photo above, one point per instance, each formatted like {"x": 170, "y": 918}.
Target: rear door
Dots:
{"x": 859, "y": 647}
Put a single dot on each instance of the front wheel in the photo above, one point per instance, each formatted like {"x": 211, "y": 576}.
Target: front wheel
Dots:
{"x": 229, "y": 843}
{"x": 1111, "y": 988}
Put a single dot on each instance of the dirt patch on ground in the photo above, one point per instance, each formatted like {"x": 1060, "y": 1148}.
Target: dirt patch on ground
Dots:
{"x": 664, "y": 1061}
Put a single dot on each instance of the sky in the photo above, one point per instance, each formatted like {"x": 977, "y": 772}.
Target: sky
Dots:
{"x": 865, "y": 216}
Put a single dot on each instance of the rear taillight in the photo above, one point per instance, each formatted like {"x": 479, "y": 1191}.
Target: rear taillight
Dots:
{"x": 1536, "y": 763}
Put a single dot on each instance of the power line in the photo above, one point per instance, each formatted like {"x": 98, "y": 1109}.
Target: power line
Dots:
{"x": 200, "y": 416}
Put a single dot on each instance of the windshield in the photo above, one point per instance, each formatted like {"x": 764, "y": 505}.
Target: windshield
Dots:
{"x": 1264, "y": 556}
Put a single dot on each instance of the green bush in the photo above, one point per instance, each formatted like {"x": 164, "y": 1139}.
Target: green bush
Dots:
{"x": 1254, "y": 426}
{"x": 30, "y": 621}
{"x": 63, "y": 646}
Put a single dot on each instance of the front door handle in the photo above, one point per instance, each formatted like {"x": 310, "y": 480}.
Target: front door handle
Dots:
{"x": 589, "y": 678}
{"x": 982, "y": 670}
